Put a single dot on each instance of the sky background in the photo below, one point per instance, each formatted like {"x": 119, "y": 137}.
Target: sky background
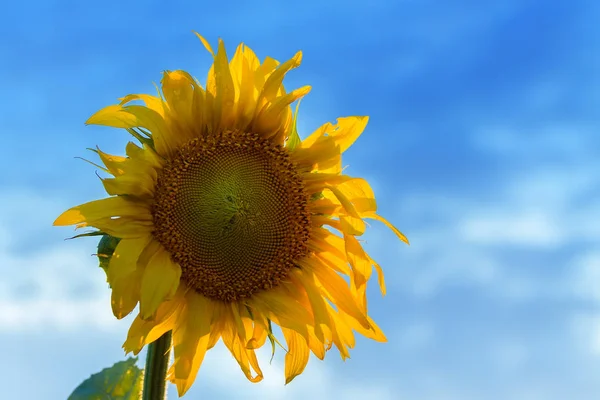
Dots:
{"x": 483, "y": 147}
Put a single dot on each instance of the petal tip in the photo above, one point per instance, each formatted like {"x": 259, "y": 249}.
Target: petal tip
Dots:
{"x": 69, "y": 217}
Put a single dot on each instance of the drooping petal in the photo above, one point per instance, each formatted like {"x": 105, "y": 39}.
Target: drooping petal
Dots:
{"x": 386, "y": 222}
{"x": 321, "y": 316}
{"x": 220, "y": 313}
{"x": 296, "y": 357}
{"x": 123, "y": 276}
{"x": 190, "y": 341}
{"x": 159, "y": 282}
{"x": 246, "y": 358}
{"x": 286, "y": 311}
{"x": 343, "y": 338}
{"x": 259, "y": 332}
{"x": 143, "y": 332}
{"x": 359, "y": 193}
{"x": 358, "y": 259}
{"x": 336, "y": 288}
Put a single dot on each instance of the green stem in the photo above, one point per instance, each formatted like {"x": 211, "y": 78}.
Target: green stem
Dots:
{"x": 157, "y": 362}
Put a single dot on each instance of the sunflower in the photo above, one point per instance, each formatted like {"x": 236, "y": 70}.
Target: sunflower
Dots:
{"x": 229, "y": 224}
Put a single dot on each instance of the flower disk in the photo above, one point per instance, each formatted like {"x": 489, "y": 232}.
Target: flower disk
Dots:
{"x": 228, "y": 223}
{"x": 232, "y": 212}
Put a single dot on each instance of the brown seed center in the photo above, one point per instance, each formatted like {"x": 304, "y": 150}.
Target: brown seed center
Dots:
{"x": 232, "y": 211}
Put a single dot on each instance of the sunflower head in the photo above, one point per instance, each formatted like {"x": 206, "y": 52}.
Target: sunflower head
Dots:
{"x": 228, "y": 223}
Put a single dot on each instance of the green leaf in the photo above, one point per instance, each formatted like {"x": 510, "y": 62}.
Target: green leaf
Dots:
{"x": 106, "y": 248}
{"x": 122, "y": 381}
{"x": 273, "y": 340}
{"x": 93, "y": 233}
{"x": 294, "y": 139}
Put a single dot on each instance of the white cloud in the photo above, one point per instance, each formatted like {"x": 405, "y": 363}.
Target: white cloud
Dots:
{"x": 538, "y": 210}
{"x": 520, "y": 228}
{"x": 57, "y": 288}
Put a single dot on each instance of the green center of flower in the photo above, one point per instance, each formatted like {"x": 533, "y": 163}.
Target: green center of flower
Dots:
{"x": 232, "y": 211}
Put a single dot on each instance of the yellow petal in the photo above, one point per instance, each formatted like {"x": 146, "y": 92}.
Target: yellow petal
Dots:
{"x": 114, "y": 164}
{"x": 124, "y": 258}
{"x": 225, "y": 90}
{"x": 135, "y": 116}
{"x": 178, "y": 88}
{"x": 337, "y": 289}
{"x": 347, "y": 130}
{"x": 143, "y": 332}
{"x": 343, "y": 338}
{"x": 315, "y": 345}
{"x": 246, "y": 358}
{"x": 323, "y": 156}
{"x": 123, "y": 227}
{"x": 220, "y": 314}
{"x": 152, "y": 102}
{"x": 334, "y": 263}
{"x": 358, "y": 259}
{"x": 103, "y": 208}
{"x": 259, "y": 333}
{"x": 122, "y": 276}
{"x": 321, "y": 316}
{"x": 190, "y": 341}
{"x": 344, "y": 201}
{"x": 138, "y": 185}
{"x": 283, "y": 309}
{"x": 320, "y": 220}
{"x": 385, "y": 221}
{"x": 296, "y": 357}
{"x": 374, "y": 333}
{"x": 237, "y": 321}
{"x": 125, "y": 294}
{"x": 143, "y": 156}
{"x": 248, "y": 93}
{"x": 323, "y": 241}
{"x": 159, "y": 283}
{"x": 264, "y": 70}
{"x": 236, "y": 67}
{"x": 352, "y": 222}
{"x": 351, "y": 225}
{"x": 325, "y": 206}
{"x": 205, "y": 43}
{"x": 380, "y": 276}
{"x": 359, "y": 192}
{"x": 269, "y": 120}
{"x": 318, "y": 133}
{"x": 273, "y": 83}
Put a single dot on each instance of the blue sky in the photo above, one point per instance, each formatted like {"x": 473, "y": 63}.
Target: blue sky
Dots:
{"x": 483, "y": 148}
